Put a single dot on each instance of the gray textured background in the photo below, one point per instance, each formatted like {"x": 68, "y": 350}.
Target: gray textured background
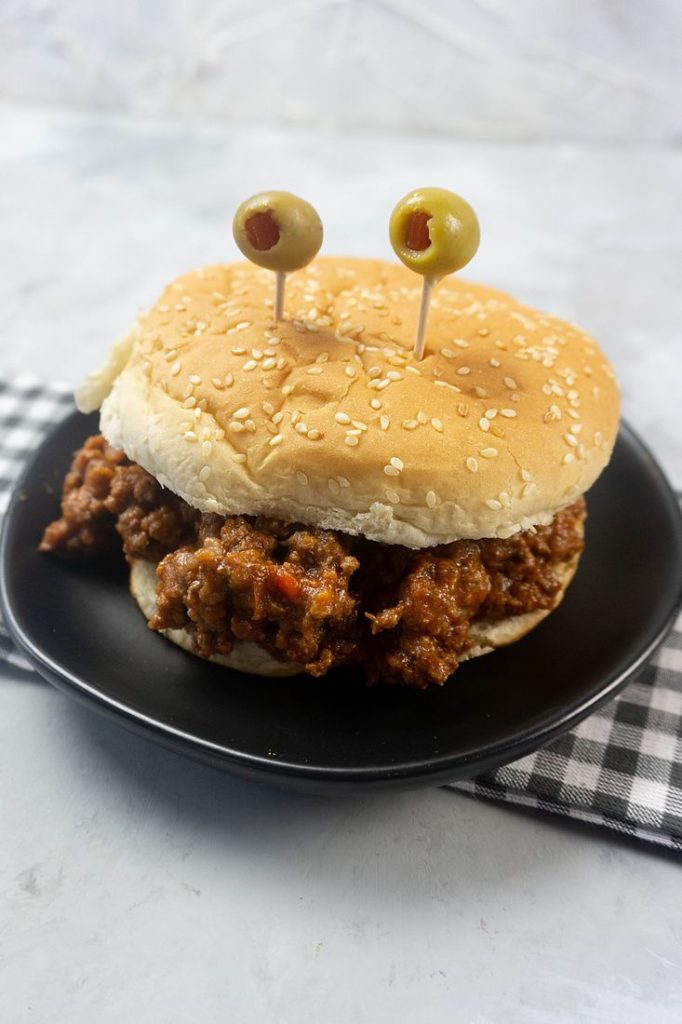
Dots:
{"x": 604, "y": 70}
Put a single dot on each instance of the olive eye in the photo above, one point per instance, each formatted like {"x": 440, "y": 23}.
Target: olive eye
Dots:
{"x": 434, "y": 232}
{"x": 278, "y": 230}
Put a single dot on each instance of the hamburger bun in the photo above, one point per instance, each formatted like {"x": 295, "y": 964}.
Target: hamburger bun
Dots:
{"x": 325, "y": 417}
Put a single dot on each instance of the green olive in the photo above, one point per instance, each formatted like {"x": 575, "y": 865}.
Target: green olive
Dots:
{"x": 434, "y": 232}
{"x": 278, "y": 230}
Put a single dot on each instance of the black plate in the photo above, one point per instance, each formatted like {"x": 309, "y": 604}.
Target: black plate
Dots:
{"x": 83, "y": 631}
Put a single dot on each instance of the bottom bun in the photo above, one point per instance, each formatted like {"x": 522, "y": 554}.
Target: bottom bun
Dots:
{"x": 249, "y": 657}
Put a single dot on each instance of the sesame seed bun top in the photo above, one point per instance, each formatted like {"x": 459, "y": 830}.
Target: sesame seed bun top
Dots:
{"x": 325, "y": 417}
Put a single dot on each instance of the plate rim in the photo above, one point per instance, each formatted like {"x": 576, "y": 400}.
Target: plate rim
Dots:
{"x": 446, "y": 766}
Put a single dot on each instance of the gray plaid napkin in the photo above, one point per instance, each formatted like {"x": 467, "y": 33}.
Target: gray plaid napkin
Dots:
{"x": 621, "y": 768}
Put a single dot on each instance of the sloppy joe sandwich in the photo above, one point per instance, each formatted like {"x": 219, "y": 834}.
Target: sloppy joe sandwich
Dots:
{"x": 300, "y": 494}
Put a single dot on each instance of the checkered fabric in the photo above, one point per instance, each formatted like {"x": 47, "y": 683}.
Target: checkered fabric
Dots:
{"x": 621, "y": 768}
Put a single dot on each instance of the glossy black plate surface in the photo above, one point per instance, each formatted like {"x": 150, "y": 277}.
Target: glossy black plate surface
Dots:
{"x": 84, "y": 632}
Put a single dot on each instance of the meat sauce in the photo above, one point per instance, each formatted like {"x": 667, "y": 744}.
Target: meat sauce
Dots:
{"x": 320, "y": 598}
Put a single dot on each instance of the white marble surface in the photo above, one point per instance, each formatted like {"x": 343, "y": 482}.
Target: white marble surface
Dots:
{"x": 135, "y": 885}
{"x": 483, "y": 69}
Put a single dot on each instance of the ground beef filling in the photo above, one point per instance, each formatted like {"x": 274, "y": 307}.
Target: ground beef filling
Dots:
{"x": 317, "y": 597}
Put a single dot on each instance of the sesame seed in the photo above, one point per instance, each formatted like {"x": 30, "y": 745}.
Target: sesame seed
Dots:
{"x": 350, "y": 371}
{"x": 413, "y": 369}
{"x": 491, "y": 414}
{"x": 360, "y": 424}
{"x": 464, "y": 370}
{"x": 194, "y": 379}
{"x": 508, "y": 413}
{"x": 239, "y": 457}
{"x": 189, "y": 403}
{"x": 494, "y": 504}
{"x": 342, "y": 417}
{"x": 392, "y": 496}
{"x": 250, "y": 364}
{"x": 391, "y": 471}
{"x": 375, "y": 403}
{"x": 351, "y": 440}
{"x": 238, "y": 350}
{"x": 374, "y": 371}
{"x": 206, "y": 448}
{"x": 314, "y": 370}
{"x": 410, "y": 424}
{"x": 396, "y": 463}
{"x": 525, "y": 475}
{"x": 170, "y": 355}
{"x": 437, "y": 425}
{"x": 242, "y": 325}
{"x": 394, "y": 375}
{"x": 484, "y": 423}
{"x": 189, "y": 435}
{"x": 236, "y": 428}
{"x": 333, "y": 485}
{"x": 431, "y": 499}
{"x": 277, "y": 417}
{"x": 241, "y": 414}
{"x": 256, "y": 353}
{"x": 384, "y": 422}
{"x": 269, "y": 364}
{"x": 472, "y": 464}
{"x": 281, "y": 363}
{"x": 175, "y": 368}
{"x": 488, "y": 453}
{"x": 448, "y": 353}
{"x": 343, "y": 481}
{"x": 301, "y": 428}
{"x": 229, "y": 380}
{"x": 268, "y": 408}
{"x": 529, "y": 489}
{"x": 314, "y": 434}
{"x": 287, "y": 389}
{"x": 322, "y": 357}
{"x": 494, "y": 362}
{"x": 571, "y": 440}
{"x": 422, "y": 417}
{"x": 510, "y": 383}
{"x": 274, "y": 441}
{"x": 460, "y": 342}
{"x": 480, "y": 392}
{"x": 204, "y": 473}
{"x": 217, "y": 383}
{"x": 163, "y": 309}
{"x": 483, "y": 331}
{"x": 463, "y": 409}
{"x": 568, "y": 457}
{"x": 302, "y": 478}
